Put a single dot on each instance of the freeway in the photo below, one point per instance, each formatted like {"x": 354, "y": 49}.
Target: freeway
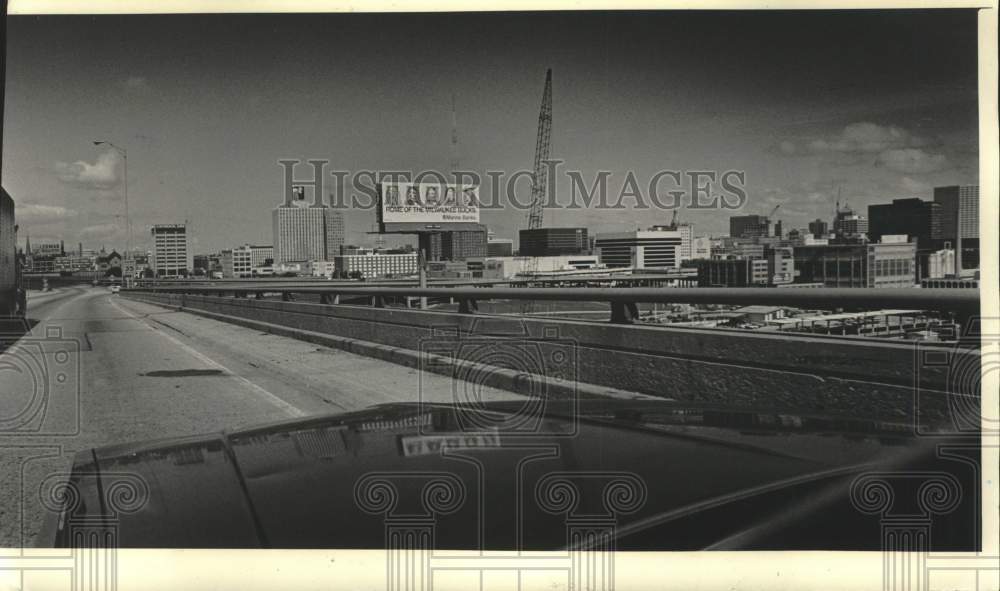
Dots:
{"x": 97, "y": 369}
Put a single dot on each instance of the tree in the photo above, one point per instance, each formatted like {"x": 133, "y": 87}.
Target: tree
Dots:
{"x": 113, "y": 272}
{"x": 148, "y": 273}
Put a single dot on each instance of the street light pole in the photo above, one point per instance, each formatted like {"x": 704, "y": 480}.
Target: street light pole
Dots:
{"x": 128, "y": 221}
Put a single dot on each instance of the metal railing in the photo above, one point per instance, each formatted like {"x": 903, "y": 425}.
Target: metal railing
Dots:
{"x": 963, "y": 304}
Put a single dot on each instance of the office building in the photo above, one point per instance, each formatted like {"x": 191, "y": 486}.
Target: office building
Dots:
{"x": 640, "y": 249}
{"x": 299, "y": 233}
{"x": 333, "y": 221}
{"x": 749, "y": 226}
{"x": 919, "y": 220}
{"x": 857, "y": 265}
{"x": 500, "y": 247}
{"x": 772, "y": 266}
{"x": 960, "y": 222}
{"x": 849, "y": 226}
{"x": 306, "y": 232}
{"x": 237, "y": 263}
{"x": 456, "y": 246}
{"x": 818, "y": 228}
{"x": 260, "y": 254}
{"x": 171, "y": 256}
{"x": 374, "y": 265}
{"x": 553, "y": 242}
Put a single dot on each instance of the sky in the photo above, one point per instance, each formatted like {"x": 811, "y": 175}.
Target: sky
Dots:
{"x": 870, "y": 105}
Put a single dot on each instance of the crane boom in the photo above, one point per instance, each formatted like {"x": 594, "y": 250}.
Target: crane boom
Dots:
{"x": 540, "y": 174}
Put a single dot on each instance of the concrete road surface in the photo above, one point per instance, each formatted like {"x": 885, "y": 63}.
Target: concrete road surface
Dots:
{"x": 99, "y": 369}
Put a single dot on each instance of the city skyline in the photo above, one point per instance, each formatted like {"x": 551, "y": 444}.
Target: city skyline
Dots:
{"x": 890, "y": 115}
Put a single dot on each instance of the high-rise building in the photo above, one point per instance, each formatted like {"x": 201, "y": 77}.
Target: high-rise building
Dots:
{"x": 959, "y": 211}
{"x": 305, "y": 232}
{"x": 818, "y": 228}
{"x": 749, "y": 226}
{"x": 171, "y": 256}
{"x": 920, "y": 220}
{"x": 334, "y": 221}
{"x": 960, "y": 222}
{"x": 552, "y": 241}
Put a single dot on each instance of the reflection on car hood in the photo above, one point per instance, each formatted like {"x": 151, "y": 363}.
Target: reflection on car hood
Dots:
{"x": 501, "y": 475}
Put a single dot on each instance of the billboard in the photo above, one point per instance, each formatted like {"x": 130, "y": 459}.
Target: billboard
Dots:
{"x": 427, "y": 205}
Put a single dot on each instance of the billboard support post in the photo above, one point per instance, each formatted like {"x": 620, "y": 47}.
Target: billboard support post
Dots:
{"x": 422, "y": 274}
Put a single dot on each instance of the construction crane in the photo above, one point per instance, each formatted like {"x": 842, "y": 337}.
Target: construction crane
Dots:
{"x": 540, "y": 175}
{"x": 540, "y": 172}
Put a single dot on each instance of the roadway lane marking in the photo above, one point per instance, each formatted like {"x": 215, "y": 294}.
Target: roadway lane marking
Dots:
{"x": 289, "y": 409}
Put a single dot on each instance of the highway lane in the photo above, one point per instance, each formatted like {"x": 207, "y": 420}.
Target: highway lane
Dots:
{"x": 98, "y": 369}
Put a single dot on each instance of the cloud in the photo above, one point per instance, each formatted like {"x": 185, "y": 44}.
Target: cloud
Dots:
{"x": 913, "y": 186}
{"x": 136, "y": 85}
{"x": 36, "y": 213}
{"x": 888, "y": 146}
{"x": 100, "y": 232}
{"x": 912, "y": 161}
{"x": 102, "y": 174}
{"x": 856, "y": 138}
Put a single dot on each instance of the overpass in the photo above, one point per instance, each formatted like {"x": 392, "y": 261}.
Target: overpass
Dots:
{"x": 874, "y": 379}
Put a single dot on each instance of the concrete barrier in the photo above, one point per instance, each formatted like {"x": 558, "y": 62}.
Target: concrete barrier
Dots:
{"x": 857, "y": 377}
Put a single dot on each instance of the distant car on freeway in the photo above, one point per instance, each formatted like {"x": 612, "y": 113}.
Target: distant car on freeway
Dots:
{"x": 116, "y": 288}
{"x": 507, "y": 476}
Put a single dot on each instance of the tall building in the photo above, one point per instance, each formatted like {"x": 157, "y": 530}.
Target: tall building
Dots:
{"x": 334, "y": 221}
{"x": 305, "y": 232}
{"x": 640, "y": 249}
{"x": 749, "y": 226}
{"x": 857, "y": 265}
{"x": 920, "y": 220}
{"x": 171, "y": 256}
{"x": 818, "y": 228}
{"x": 960, "y": 222}
{"x": 552, "y": 242}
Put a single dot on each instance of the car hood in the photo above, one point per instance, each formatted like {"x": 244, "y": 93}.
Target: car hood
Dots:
{"x": 499, "y": 476}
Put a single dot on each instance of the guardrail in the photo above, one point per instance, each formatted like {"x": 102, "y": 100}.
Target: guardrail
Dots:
{"x": 411, "y": 281}
{"x": 963, "y": 304}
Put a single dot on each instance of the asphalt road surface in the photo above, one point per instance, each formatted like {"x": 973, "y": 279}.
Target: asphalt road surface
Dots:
{"x": 98, "y": 369}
